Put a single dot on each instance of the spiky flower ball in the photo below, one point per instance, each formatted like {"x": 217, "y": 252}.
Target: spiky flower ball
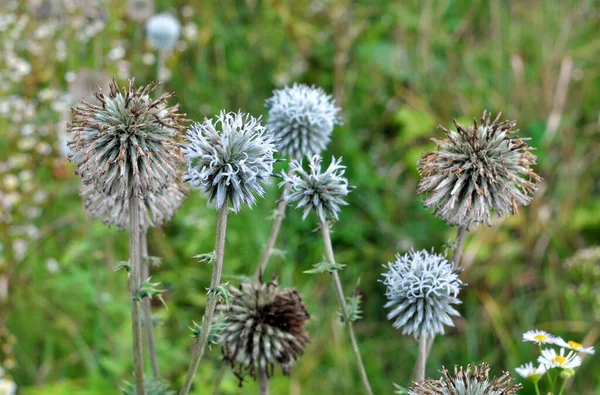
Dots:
{"x": 264, "y": 327}
{"x": 322, "y": 191}
{"x": 230, "y": 158}
{"x": 127, "y": 145}
{"x": 421, "y": 289}
{"x": 155, "y": 209}
{"x": 162, "y": 32}
{"x": 478, "y": 170}
{"x": 474, "y": 380}
{"x": 302, "y": 119}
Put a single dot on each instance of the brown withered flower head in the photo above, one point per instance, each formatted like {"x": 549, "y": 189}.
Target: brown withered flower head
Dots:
{"x": 264, "y": 327}
{"x": 128, "y": 143}
{"x": 474, "y": 380}
{"x": 478, "y": 170}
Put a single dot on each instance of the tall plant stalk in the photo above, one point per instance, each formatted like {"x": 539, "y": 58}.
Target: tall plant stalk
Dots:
{"x": 219, "y": 379}
{"x": 268, "y": 250}
{"x": 421, "y": 359}
{"x": 134, "y": 286}
{"x": 263, "y": 382}
{"x": 146, "y": 305}
{"x": 343, "y": 306}
{"x": 459, "y": 243}
{"x": 211, "y": 304}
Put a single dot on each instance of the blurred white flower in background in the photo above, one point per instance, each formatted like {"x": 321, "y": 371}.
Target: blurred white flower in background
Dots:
{"x": 163, "y": 32}
{"x": 140, "y": 10}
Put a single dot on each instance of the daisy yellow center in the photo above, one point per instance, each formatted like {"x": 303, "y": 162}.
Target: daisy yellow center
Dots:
{"x": 540, "y": 338}
{"x": 559, "y": 360}
{"x": 574, "y": 345}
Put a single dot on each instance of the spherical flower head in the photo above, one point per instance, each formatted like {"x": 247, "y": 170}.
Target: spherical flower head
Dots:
{"x": 264, "y": 327}
{"x": 474, "y": 380}
{"x": 530, "y": 372}
{"x": 302, "y": 119}
{"x": 163, "y": 32}
{"x": 127, "y": 145}
{"x": 573, "y": 345}
{"x": 538, "y": 337}
{"x": 230, "y": 158}
{"x": 155, "y": 209}
{"x": 477, "y": 170}
{"x": 140, "y": 10}
{"x": 315, "y": 189}
{"x": 421, "y": 289}
{"x": 551, "y": 359}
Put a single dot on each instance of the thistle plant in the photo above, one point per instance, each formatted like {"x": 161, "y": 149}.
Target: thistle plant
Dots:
{"x": 477, "y": 171}
{"x": 229, "y": 159}
{"x": 323, "y": 192}
{"x": 264, "y": 327}
{"x": 301, "y": 119}
{"x": 474, "y": 380}
{"x": 553, "y": 365}
{"x": 126, "y": 149}
{"x": 422, "y": 288}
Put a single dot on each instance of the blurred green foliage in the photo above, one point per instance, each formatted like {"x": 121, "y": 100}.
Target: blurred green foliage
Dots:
{"x": 398, "y": 69}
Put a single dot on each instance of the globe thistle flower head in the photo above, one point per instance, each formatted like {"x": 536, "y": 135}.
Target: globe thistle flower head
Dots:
{"x": 155, "y": 209}
{"x": 230, "y": 158}
{"x": 162, "y": 32}
{"x": 264, "y": 327}
{"x": 474, "y": 380}
{"x": 302, "y": 119}
{"x": 315, "y": 189}
{"x": 140, "y": 10}
{"x": 127, "y": 144}
{"x": 421, "y": 289}
{"x": 478, "y": 170}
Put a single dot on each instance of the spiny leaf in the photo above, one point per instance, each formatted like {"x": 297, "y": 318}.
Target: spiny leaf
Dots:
{"x": 214, "y": 332}
{"x": 208, "y": 257}
{"x": 154, "y": 261}
{"x": 123, "y": 265}
{"x": 221, "y": 291}
{"x": 324, "y": 267}
{"x": 150, "y": 290}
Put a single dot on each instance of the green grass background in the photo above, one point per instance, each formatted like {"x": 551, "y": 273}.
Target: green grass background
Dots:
{"x": 398, "y": 69}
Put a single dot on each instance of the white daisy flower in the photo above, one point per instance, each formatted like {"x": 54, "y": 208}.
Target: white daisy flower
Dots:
{"x": 571, "y": 345}
{"x": 539, "y": 337}
{"x": 550, "y": 359}
{"x": 530, "y": 372}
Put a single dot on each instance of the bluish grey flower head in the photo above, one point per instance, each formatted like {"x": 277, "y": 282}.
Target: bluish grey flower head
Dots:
{"x": 127, "y": 143}
{"x": 302, "y": 119}
{"x": 474, "y": 380}
{"x": 264, "y": 328}
{"x": 315, "y": 189}
{"x": 476, "y": 171}
{"x": 155, "y": 209}
{"x": 162, "y": 32}
{"x": 230, "y": 158}
{"x": 421, "y": 289}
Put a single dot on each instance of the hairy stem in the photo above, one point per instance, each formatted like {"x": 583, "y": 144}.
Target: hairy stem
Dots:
{"x": 459, "y": 243}
{"x": 146, "y": 304}
{"x": 211, "y": 304}
{"x": 263, "y": 382}
{"x": 343, "y": 307}
{"x": 421, "y": 359}
{"x": 268, "y": 250}
{"x": 134, "y": 286}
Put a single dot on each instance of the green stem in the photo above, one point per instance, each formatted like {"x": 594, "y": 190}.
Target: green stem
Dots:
{"x": 537, "y": 388}
{"x": 211, "y": 304}
{"x": 343, "y": 307}
{"x": 268, "y": 250}
{"x": 562, "y": 387}
{"x": 134, "y": 286}
{"x": 219, "y": 378}
{"x": 147, "y": 307}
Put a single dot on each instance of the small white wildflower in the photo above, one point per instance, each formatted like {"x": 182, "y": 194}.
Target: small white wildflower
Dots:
{"x": 530, "y": 372}
{"x": 572, "y": 345}
{"x": 551, "y": 359}
{"x": 52, "y": 265}
{"x": 537, "y": 336}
